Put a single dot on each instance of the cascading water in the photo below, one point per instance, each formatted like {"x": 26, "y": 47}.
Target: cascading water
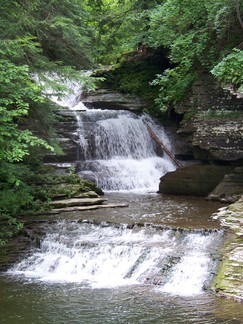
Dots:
{"x": 115, "y": 148}
{"x": 102, "y": 256}
{"x": 118, "y": 153}
{"x": 76, "y": 258}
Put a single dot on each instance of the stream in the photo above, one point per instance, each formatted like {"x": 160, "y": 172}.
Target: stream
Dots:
{"x": 99, "y": 267}
{"x": 150, "y": 262}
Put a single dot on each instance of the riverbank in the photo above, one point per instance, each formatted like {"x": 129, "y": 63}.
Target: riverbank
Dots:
{"x": 229, "y": 279}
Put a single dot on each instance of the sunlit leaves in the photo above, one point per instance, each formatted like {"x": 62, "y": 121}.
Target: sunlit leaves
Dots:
{"x": 198, "y": 35}
{"x": 230, "y": 70}
{"x": 16, "y": 93}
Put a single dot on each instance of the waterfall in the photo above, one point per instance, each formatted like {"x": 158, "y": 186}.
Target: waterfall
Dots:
{"x": 101, "y": 256}
{"x": 116, "y": 150}
{"x": 118, "y": 153}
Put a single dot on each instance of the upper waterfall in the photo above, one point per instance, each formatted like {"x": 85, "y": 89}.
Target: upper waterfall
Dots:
{"x": 116, "y": 150}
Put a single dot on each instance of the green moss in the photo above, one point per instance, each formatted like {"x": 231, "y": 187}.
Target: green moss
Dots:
{"x": 220, "y": 114}
{"x": 32, "y": 195}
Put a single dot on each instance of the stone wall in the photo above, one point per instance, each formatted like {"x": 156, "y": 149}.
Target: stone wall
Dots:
{"x": 110, "y": 99}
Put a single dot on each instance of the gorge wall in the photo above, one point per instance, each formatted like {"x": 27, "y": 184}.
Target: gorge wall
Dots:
{"x": 213, "y": 135}
{"x": 215, "y": 129}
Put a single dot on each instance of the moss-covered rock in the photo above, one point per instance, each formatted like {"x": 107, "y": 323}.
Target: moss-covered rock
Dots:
{"x": 229, "y": 279}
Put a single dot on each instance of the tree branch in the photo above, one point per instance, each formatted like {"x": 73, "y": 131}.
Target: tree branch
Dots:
{"x": 238, "y": 12}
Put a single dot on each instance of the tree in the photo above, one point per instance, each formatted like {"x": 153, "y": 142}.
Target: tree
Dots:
{"x": 16, "y": 93}
{"x": 199, "y": 35}
{"x": 120, "y": 26}
{"x": 36, "y": 36}
{"x": 59, "y": 27}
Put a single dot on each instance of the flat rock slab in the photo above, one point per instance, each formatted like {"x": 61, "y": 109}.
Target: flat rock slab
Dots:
{"x": 82, "y": 208}
{"x": 88, "y": 194}
{"x": 77, "y": 202}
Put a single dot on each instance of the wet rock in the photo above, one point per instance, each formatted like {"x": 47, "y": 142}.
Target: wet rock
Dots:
{"x": 194, "y": 180}
{"x": 230, "y": 189}
{"x": 88, "y": 194}
{"x": 83, "y": 208}
{"x": 229, "y": 279}
{"x": 20, "y": 247}
{"x": 77, "y": 202}
{"x": 109, "y": 99}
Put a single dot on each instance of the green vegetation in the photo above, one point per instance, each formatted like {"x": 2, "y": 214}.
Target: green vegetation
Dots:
{"x": 220, "y": 114}
{"x": 199, "y": 36}
{"x": 230, "y": 70}
{"x": 35, "y": 37}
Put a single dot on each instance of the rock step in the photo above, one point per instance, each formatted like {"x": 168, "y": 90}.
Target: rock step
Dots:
{"x": 77, "y": 202}
{"x": 82, "y": 208}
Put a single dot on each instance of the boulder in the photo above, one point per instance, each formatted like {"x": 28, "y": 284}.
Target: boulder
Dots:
{"x": 193, "y": 180}
{"x": 230, "y": 189}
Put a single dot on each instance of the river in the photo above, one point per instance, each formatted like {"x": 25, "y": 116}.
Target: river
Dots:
{"x": 98, "y": 267}
{"x": 150, "y": 262}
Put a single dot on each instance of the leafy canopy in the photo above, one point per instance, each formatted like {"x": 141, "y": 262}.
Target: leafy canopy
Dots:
{"x": 200, "y": 35}
{"x": 35, "y": 37}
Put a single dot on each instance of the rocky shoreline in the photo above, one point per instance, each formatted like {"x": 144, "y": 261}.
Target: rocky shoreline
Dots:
{"x": 229, "y": 279}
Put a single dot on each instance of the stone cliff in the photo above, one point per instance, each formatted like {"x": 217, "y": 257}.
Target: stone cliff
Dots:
{"x": 211, "y": 132}
{"x": 215, "y": 129}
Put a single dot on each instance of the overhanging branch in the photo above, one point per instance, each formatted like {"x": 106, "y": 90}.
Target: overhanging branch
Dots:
{"x": 238, "y": 13}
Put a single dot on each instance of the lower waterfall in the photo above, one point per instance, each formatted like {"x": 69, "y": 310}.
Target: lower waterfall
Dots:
{"x": 105, "y": 256}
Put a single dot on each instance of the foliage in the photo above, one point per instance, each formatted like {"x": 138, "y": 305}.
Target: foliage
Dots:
{"x": 60, "y": 37}
{"x": 230, "y": 70}
{"x": 35, "y": 37}
{"x": 10, "y": 228}
{"x": 58, "y": 27}
{"x": 16, "y": 93}
{"x": 198, "y": 34}
{"x": 120, "y": 26}
{"x": 174, "y": 86}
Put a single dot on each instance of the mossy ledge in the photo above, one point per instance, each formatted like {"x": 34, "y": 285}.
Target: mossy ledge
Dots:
{"x": 229, "y": 279}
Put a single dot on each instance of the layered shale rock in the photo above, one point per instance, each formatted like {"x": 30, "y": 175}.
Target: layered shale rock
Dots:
{"x": 212, "y": 131}
{"x": 110, "y": 99}
{"x": 230, "y": 189}
{"x": 229, "y": 279}
{"x": 67, "y": 136}
{"x": 213, "y": 122}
